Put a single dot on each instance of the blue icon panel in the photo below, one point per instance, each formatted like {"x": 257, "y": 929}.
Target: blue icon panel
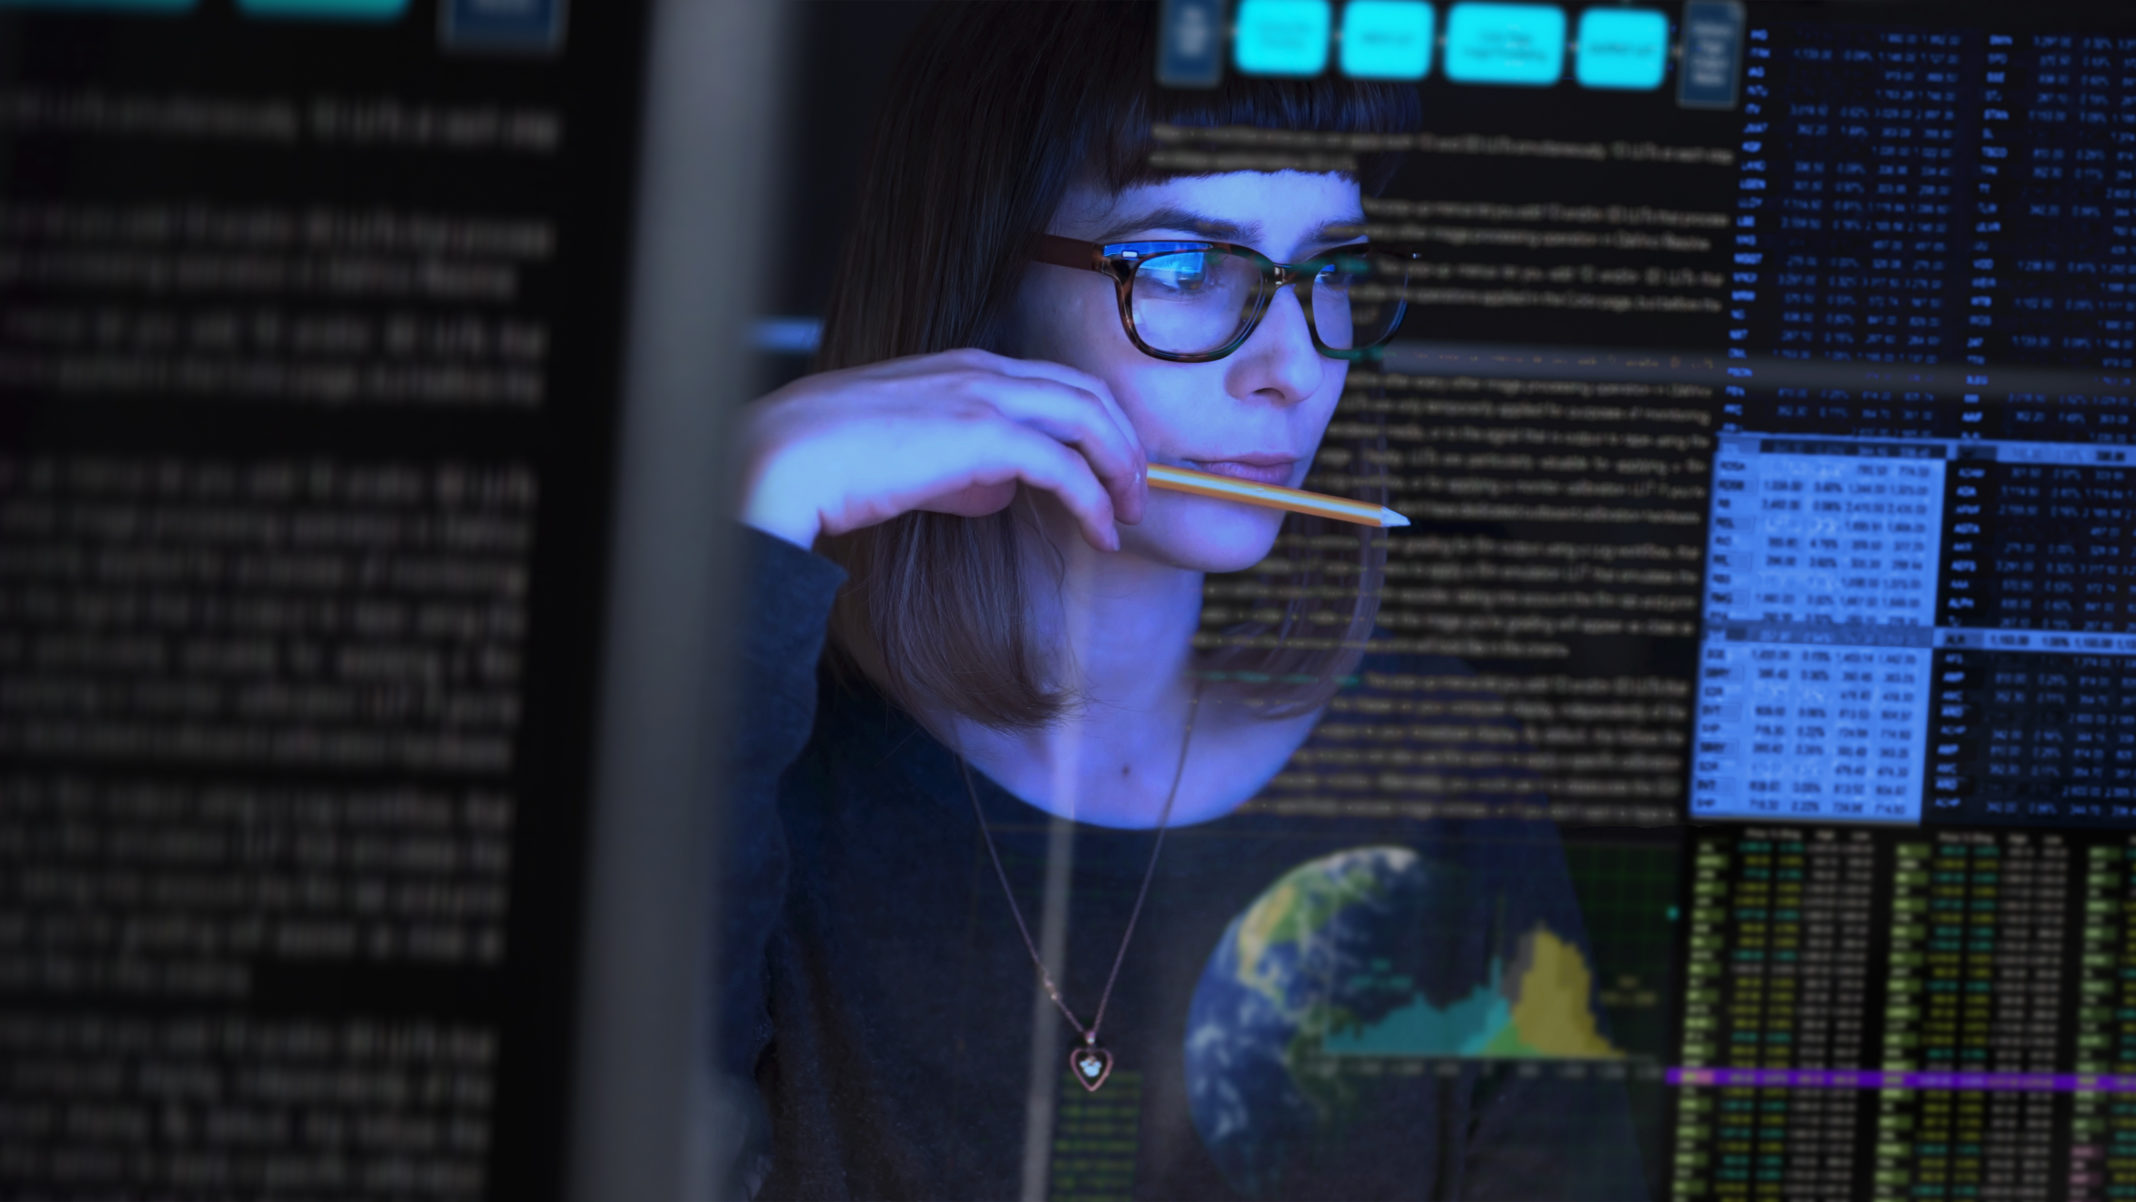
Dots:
{"x": 523, "y": 25}
{"x": 1713, "y": 54}
{"x": 1190, "y": 47}
{"x": 1520, "y": 44}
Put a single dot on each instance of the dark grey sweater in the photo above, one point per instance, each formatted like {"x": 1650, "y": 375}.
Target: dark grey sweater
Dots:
{"x": 1287, "y": 1023}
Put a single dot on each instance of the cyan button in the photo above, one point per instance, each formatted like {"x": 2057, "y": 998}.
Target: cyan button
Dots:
{"x": 1282, "y": 37}
{"x": 1505, "y": 43}
{"x": 325, "y": 10}
{"x": 1621, "y": 48}
{"x": 1386, "y": 39}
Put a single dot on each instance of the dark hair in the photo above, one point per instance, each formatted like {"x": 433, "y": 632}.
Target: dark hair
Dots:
{"x": 994, "y": 111}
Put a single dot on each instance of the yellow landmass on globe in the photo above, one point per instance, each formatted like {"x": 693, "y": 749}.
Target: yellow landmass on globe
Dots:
{"x": 1551, "y": 1017}
{"x": 1258, "y": 925}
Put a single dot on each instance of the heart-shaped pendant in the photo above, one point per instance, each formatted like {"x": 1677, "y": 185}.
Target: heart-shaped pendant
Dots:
{"x": 1091, "y": 1064}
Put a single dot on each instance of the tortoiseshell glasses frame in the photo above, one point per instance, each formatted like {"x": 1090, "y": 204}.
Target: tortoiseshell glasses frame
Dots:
{"x": 1387, "y": 273}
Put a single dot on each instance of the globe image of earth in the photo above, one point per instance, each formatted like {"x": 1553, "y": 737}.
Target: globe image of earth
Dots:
{"x": 1314, "y": 952}
{"x": 1313, "y": 1019}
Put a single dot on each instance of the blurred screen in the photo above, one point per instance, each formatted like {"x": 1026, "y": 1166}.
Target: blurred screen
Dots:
{"x": 310, "y": 337}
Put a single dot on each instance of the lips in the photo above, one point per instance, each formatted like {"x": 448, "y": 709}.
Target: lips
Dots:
{"x": 1262, "y": 469}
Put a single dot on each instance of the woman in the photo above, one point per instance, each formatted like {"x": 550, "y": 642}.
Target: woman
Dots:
{"x": 976, "y": 795}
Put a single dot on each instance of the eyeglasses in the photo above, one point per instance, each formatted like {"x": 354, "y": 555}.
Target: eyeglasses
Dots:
{"x": 1192, "y": 302}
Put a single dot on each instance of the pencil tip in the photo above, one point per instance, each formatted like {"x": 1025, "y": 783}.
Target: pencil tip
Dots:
{"x": 1388, "y": 517}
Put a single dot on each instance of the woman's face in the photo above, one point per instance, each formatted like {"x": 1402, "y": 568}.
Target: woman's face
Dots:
{"x": 1257, "y": 412}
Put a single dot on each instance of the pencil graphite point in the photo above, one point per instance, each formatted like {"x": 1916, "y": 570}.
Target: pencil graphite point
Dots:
{"x": 1388, "y": 517}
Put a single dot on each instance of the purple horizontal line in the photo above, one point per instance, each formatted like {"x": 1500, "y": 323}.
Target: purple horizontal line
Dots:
{"x": 1862, "y": 1078}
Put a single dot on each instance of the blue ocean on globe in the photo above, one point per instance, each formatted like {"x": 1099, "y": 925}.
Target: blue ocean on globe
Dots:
{"x": 1332, "y": 945}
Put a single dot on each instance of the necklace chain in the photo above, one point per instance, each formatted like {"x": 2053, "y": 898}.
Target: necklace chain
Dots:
{"x": 1089, "y": 1034}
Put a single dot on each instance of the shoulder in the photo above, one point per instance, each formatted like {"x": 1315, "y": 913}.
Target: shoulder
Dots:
{"x": 862, "y": 748}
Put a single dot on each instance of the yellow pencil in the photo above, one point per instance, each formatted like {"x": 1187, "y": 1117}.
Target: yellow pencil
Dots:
{"x": 1275, "y": 496}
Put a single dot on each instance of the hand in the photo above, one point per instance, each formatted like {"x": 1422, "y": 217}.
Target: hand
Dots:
{"x": 953, "y": 432}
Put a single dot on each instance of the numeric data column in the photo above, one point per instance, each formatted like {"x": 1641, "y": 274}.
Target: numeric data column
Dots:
{"x": 2102, "y": 1151}
{"x": 1780, "y": 951}
{"x": 1975, "y": 989}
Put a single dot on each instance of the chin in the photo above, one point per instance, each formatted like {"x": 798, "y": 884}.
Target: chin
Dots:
{"x": 1203, "y": 534}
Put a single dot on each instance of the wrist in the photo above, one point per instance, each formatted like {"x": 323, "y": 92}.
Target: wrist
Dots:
{"x": 771, "y": 503}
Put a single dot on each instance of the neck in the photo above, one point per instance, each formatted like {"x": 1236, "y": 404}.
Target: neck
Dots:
{"x": 1119, "y": 631}
{"x": 1119, "y": 627}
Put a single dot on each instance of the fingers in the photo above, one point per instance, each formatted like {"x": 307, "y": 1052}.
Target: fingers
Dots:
{"x": 1125, "y": 476}
{"x": 1060, "y": 429}
{"x": 1041, "y": 461}
{"x": 1062, "y": 374}
{"x": 1067, "y": 415}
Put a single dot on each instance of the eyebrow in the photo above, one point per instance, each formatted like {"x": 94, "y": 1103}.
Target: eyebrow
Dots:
{"x": 1216, "y": 229}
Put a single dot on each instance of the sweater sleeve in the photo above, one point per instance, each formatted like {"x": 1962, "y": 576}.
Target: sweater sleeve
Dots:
{"x": 784, "y": 609}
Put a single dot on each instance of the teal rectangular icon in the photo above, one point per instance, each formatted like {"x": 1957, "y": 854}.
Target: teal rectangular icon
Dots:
{"x": 1505, "y": 43}
{"x": 325, "y": 10}
{"x": 1282, "y": 37}
{"x": 1621, "y": 48}
{"x": 1386, "y": 39}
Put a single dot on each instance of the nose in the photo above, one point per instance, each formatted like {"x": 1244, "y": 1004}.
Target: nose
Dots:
{"x": 1279, "y": 361}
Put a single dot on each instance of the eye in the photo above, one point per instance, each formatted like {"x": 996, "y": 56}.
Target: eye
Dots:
{"x": 1183, "y": 272}
{"x": 1343, "y": 271}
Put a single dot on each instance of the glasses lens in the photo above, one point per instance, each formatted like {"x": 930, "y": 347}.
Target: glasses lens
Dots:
{"x": 1191, "y": 302}
{"x": 1357, "y": 299}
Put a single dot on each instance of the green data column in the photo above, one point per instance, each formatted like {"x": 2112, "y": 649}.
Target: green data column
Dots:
{"x": 1904, "y": 994}
{"x": 1975, "y": 988}
{"x": 1777, "y": 981}
{"x": 2102, "y": 1128}
{"x": 1837, "y": 899}
{"x": 1700, "y": 1165}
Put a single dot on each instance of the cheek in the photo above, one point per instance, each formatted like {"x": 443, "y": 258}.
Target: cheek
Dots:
{"x": 1313, "y": 420}
{"x": 1071, "y": 321}
{"x": 1181, "y": 410}
{"x": 1322, "y": 408}
{"x": 1157, "y": 401}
